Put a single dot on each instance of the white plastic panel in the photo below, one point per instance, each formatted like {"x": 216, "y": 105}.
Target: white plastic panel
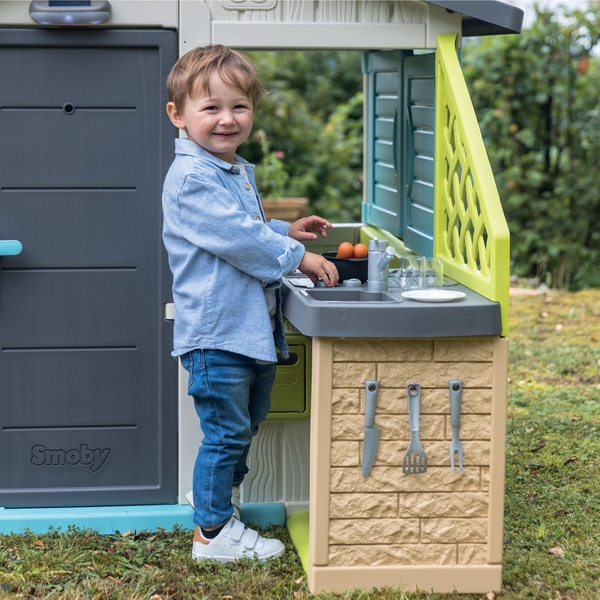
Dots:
{"x": 302, "y": 24}
{"x": 124, "y": 13}
{"x": 279, "y": 465}
{"x": 323, "y": 36}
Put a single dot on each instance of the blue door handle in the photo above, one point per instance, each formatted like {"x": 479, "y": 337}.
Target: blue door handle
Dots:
{"x": 10, "y": 247}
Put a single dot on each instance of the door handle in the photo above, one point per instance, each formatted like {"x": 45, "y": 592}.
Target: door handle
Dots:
{"x": 10, "y": 247}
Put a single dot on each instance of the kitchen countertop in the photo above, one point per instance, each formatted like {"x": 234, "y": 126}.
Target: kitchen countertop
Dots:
{"x": 472, "y": 315}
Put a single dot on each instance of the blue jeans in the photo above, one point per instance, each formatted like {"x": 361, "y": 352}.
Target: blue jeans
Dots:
{"x": 232, "y": 396}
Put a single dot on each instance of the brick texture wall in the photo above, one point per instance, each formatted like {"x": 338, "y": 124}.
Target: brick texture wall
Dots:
{"x": 390, "y": 518}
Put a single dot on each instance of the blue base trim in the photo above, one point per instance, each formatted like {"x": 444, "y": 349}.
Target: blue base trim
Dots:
{"x": 110, "y": 519}
{"x": 263, "y": 514}
{"x": 103, "y": 519}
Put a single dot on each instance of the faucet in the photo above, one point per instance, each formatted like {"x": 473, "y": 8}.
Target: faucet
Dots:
{"x": 380, "y": 255}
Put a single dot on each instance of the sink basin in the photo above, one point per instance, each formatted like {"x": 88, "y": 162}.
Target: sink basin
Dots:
{"x": 348, "y": 295}
{"x": 346, "y": 311}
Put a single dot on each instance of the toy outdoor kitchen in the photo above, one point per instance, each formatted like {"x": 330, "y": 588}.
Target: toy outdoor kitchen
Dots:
{"x": 384, "y": 450}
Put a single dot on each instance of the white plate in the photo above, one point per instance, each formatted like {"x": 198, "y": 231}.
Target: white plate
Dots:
{"x": 433, "y": 295}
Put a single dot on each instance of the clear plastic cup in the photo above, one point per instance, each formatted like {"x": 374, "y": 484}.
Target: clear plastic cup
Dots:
{"x": 411, "y": 272}
{"x": 433, "y": 272}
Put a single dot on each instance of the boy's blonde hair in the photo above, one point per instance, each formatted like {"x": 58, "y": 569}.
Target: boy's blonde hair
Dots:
{"x": 193, "y": 70}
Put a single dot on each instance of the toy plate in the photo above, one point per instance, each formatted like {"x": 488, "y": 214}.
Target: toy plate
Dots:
{"x": 433, "y": 295}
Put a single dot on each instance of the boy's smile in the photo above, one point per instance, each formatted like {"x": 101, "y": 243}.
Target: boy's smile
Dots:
{"x": 218, "y": 119}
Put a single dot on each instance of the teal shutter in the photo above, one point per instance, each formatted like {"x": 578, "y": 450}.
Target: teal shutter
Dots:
{"x": 400, "y": 146}
{"x": 382, "y": 206}
{"x": 419, "y": 100}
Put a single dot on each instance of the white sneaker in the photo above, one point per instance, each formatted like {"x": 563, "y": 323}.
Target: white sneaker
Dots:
{"x": 236, "y": 500}
{"x": 235, "y": 541}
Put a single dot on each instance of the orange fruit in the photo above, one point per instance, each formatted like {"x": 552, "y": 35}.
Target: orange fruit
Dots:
{"x": 360, "y": 251}
{"x": 345, "y": 250}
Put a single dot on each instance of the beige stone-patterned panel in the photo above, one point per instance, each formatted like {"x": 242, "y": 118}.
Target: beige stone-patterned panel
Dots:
{"x": 393, "y": 554}
{"x": 345, "y": 454}
{"x": 453, "y": 530}
{"x": 433, "y": 374}
{"x": 346, "y": 401}
{"x": 442, "y": 518}
{"x": 390, "y": 453}
{"x": 353, "y": 375}
{"x": 364, "y": 532}
{"x": 382, "y": 350}
{"x": 485, "y": 478}
{"x": 469, "y": 350}
{"x": 414, "y": 505}
{"x": 392, "y": 479}
{"x": 389, "y": 401}
{"x": 472, "y": 554}
{"x": 394, "y": 427}
{"x": 363, "y": 506}
{"x": 475, "y": 454}
{"x": 472, "y": 505}
{"x": 474, "y": 400}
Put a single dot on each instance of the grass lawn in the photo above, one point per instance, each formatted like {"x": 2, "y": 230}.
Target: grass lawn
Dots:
{"x": 552, "y": 505}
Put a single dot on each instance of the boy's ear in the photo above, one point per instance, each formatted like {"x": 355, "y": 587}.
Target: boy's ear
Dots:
{"x": 175, "y": 115}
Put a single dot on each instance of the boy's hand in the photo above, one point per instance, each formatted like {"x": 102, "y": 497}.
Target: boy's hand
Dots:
{"x": 316, "y": 266}
{"x": 308, "y": 227}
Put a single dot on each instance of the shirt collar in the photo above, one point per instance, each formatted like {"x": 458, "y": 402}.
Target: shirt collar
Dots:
{"x": 186, "y": 146}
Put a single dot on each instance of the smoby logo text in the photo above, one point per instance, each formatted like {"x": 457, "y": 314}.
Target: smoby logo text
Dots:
{"x": 94, "y": 458}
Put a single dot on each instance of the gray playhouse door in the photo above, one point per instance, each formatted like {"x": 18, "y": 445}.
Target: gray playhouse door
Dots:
{"x": 87, "y": 384}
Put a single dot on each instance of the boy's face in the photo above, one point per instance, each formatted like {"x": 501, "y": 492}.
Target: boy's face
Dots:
{"x": 218, "y": 121}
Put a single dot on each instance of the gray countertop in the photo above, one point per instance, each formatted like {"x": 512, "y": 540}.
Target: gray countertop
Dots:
{"x": 399, "y": 317}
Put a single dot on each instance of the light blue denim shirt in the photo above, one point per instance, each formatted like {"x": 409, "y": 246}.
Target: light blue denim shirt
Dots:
{"x": 223, "y": 255}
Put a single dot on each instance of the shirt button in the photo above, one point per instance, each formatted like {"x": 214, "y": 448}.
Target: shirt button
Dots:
{"x": 247, "y": 186}
{"x": 257, "y": 218}
{"x": 234, "y": 170}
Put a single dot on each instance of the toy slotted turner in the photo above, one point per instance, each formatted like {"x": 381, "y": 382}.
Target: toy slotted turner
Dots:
{"x": 415, "y": 459}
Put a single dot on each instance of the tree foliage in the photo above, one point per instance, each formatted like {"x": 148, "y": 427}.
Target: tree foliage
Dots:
{"x": 312, "y": 118}
{"x": 536, "y": 95}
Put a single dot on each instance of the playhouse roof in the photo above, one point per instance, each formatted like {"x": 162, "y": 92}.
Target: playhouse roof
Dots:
{"x": 484, "y": 17}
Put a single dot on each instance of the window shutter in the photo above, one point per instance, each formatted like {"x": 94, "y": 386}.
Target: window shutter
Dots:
{"x": 400, "y": 127}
